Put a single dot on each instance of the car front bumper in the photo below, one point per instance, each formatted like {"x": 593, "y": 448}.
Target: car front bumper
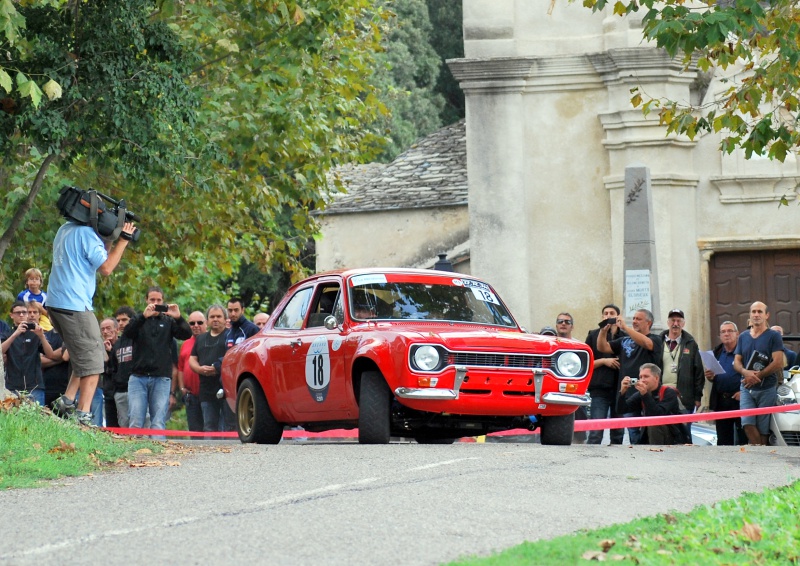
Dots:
{"x": 444, "y": 394}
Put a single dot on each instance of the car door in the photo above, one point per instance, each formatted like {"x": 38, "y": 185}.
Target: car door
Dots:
{"x": 310, "y": 363}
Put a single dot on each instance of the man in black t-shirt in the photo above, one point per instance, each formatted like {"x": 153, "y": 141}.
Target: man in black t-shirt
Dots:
{"x": 208, "y": 349}
{"x": 22, "y": 346}
{"x": 637, "y": 348}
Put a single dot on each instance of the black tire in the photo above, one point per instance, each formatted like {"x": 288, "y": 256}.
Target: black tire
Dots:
{"x": 557, "y": 431}
{"x": 374, "y": 409}
{"x": 254, "y": 420}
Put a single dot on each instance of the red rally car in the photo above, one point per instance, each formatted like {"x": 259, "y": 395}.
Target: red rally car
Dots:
{"x": 421, "y": 354}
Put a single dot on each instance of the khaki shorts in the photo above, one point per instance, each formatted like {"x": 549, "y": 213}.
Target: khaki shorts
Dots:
{"x": 81, "y": 334}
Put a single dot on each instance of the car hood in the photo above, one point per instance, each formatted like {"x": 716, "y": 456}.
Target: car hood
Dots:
{"x": 488, "y": 339}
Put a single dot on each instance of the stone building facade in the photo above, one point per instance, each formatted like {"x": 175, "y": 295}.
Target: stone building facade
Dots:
{"x": 548, "y": 136}
{"x": 550, "y": 132}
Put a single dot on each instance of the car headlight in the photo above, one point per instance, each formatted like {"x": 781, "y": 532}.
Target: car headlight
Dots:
{"x": 786, "y": 396}
{"x": 426, "y": 358}
{"x": 569, "y": 364}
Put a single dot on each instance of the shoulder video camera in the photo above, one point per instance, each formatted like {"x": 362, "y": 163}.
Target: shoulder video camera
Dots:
{"x": 90, "y": 209}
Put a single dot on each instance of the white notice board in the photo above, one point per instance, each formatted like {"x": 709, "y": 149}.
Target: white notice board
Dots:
{"x": 637, "y": 291}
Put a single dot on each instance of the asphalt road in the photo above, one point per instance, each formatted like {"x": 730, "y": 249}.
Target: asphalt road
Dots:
{"x": 340, "y": 503}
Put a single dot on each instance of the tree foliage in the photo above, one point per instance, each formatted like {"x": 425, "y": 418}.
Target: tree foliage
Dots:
{"x": 757, "y": 42}
{"x": 236, "y": 112}
{"x": 406, "y": 72}
{"x": 447, "y": 39}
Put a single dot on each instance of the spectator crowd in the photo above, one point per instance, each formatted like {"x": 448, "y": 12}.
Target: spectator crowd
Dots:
{"x": 155, "y": 360}
{"x": 639, "y": 373}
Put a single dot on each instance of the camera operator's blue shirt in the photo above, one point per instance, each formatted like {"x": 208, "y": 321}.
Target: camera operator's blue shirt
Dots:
{"x": 78, "y": 252}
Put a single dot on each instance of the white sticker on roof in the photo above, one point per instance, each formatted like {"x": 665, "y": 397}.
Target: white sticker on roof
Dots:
{"x": 474, "y": 284}
{"x": 368, "y": 279}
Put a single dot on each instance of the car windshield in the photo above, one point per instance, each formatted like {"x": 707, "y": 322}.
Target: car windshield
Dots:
{"x": 378, "y": 296}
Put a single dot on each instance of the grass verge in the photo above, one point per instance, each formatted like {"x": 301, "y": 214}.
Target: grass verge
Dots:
{"x": 756, "y": 528}
{"x": 35, "y": 445}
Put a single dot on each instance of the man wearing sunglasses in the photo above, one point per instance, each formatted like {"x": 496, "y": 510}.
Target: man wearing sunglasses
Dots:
{"x": 188, "y": 380}
{"x": 564, "y": 323}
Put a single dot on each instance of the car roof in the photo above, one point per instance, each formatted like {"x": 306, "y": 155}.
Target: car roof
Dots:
{"x": 348, "y": 273}
{"x": 411, "y": 271}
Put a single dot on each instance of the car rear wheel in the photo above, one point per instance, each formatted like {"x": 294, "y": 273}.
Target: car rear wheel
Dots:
{"x": 374, "y": 409}
{"x": 255, "y": 422}
{"x": 557, "y": 431}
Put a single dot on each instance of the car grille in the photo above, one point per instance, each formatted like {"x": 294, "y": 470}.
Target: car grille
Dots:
{"x": 791, "y": 438}
{"x": 476, "y": 359}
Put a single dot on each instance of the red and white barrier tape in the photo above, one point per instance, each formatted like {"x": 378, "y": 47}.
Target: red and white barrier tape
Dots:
{"x": 580, "y": 426}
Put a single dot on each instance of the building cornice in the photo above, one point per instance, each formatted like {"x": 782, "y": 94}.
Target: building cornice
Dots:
{"x": 747, "y": 243}
{"x": 525, "y": 74}
{"x": 738, "y": 189}
{"x": 614, "y": 182}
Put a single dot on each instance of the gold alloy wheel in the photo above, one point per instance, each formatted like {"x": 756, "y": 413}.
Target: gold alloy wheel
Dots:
{"x": 246, "y": 412}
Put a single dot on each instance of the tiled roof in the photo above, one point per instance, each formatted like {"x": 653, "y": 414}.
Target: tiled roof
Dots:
{"x": 431, "y": 173}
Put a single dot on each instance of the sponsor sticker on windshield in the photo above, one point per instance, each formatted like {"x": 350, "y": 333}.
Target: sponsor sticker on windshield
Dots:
{"x": 474, "y": 284}
{"x": 368, "y": 279}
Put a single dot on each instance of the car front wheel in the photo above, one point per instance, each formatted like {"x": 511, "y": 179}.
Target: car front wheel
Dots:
{"x": 557, "y": 431}
{"x": 374, "y": 409}
{"x": 254, "y": 419}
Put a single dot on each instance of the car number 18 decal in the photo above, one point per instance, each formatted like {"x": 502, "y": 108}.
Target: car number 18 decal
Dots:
{"x": 484, "y": 295}
{"x": 318, "y": 369}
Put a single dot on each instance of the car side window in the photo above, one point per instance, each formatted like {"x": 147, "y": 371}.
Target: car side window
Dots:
{"x": 323, "y": 304}
{"x": 295, "y": 312}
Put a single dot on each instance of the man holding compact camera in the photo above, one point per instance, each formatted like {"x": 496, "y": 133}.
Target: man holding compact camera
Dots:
{"x": 22, "y": 346}
{"x": 78, "y": 254}
{"x": 155, "y": 353}
{"x": 649, "y": 398}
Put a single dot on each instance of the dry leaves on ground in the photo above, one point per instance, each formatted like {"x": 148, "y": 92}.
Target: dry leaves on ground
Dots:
{"x": 10, "y": 402}
{"x": 169, "y": 456}
{"x": 63, "y": 448}
{"x": 753, "y": 532}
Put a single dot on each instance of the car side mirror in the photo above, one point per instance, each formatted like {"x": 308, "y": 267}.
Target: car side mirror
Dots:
{"x": 330, "y": 322}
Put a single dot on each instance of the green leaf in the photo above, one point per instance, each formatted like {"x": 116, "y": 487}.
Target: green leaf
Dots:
{"x": 5, "y": 81}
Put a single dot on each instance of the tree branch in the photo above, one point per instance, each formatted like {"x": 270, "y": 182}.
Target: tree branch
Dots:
{"x": 26, "y": 205}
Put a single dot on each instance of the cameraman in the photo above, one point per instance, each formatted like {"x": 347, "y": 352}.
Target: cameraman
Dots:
{"x": 78, "y": 253}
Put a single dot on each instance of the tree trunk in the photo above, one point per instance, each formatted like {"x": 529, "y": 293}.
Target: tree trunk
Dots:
{"x": 24, "y": 208}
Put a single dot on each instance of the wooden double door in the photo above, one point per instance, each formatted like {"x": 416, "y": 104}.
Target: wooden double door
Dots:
{"x": 737, "y": 279}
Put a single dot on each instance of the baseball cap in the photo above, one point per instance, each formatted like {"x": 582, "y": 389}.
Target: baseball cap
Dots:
{"x": 548, "y": 331}
{"x": 676, "y": 312}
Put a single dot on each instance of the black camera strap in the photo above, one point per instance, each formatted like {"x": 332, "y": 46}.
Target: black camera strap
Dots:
{"x": 94, "y": 200}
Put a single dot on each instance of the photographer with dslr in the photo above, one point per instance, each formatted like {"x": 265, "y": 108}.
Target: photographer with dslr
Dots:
{"x": 22, "y": 346}
{"x": 78, "y": 254}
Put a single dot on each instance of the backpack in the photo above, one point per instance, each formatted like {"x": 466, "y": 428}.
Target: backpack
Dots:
{"x": 681, "y": 432}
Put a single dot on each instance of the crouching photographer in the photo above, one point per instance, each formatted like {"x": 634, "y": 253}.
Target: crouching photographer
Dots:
{"x": 653, "y": 400}
{"x": 82, "y": 247}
